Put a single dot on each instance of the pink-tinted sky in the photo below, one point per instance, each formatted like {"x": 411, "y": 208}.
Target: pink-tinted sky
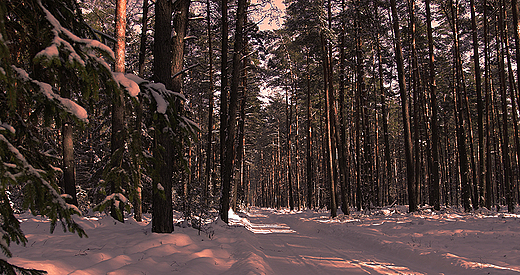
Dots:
{"x": 266, "y": 24}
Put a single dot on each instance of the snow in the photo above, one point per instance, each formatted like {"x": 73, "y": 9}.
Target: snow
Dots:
{"x": 8, "y": 127}
{"x": 49, "y": 52}
{"x": 162, "y": 104}
{"x": 130, "y": 85}
{"x": 28, "y": 169}
{"x": 135, "y": 79}
{"x": 116, "y": 197}
{"x": 58, "y": 29}
{"x": 46, "y": 89}
{"x": 269, "y": 241}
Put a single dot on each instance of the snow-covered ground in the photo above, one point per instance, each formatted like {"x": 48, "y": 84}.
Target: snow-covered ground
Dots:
{"x": 268, "y": 241}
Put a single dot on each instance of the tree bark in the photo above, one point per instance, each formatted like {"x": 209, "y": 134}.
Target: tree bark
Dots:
{"x": 231, "y": 116}
{"x": 345, "y": 194}
{"x": 461, "y": 135}
{"x": 224, "y": 200}
{"x": 69, "y": 167}
{"x": 209, "y": 149}
{"x": 289, "y": 134}
{"x": 415, "y": 88}
{"x": 118, "y": 101}
{"x": 435, "y": 180}
{"x": 514, "y": 112}
{"x": 480, "y": 107}
{"x": 505, "y": 143}
{"x": 310, "y": 182}
{"x": 162, "y": 215}
{"x": 180, "y": 23}
{"x": 240, "y": 153}
{"x": 487, "y": 183}
{"x": 328, "y": 130}
{"x": 405, "y": 110}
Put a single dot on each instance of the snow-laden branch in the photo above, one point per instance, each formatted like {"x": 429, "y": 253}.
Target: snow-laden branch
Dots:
{"x": 130, "y": 85}
{"x": 29, "y": 170}
{"x": 58, "y": 29}
{"x": 46, "y": 89}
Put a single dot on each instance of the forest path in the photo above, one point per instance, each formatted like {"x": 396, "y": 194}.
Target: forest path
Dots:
{"x": 269, "y": 241}
{"x": 283, "y": 242}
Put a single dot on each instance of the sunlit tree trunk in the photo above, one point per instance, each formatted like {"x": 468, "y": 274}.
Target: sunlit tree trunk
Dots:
{"x": 118, "y": 102}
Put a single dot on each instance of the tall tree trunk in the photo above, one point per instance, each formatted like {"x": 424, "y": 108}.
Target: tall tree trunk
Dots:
{"x": 233, "y": 100}
{"x": 162, "y": 215}
{"x": 505, "y": 144}
{"x": 514, "y": 7}
{"x": 239, "y": 179}
{"x": 461, "y": 135}
{"x": 120, "y": 34}
{"x": 310, "y": 182}
{"x": 487, "y": 183}
{"x": 209, "y": 156}
{"x": 180, "y": 23}
{"x": 512, "y": 88}
{"x": 297, "y": 155}
{"x": 118, "y": 102}
{"x": 405, "y": 109}
{"x": 415, "y": 88}
{"x": 480, "y": 107}
{"x": 288, "y": 113}
{"x": 360, "y": 117}
{"x": 345, "y": 203}
{"x": 278, "y": 179}
{"x": 138, "y": 205}
{"x": 327, "y": 76}
{"x": 328, "y": 130}
{"x": 435, "y": 180}
{"x": 224, "y": 200}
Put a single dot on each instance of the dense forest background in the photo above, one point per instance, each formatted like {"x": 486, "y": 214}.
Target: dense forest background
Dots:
{"x": 150, "y": 106}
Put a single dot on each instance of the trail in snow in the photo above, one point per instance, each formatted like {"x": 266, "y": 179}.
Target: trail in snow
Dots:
{"x": 268, "y": 241}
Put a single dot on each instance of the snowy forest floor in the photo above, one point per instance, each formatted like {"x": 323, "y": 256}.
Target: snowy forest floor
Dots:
{"x": 269, "y": 241}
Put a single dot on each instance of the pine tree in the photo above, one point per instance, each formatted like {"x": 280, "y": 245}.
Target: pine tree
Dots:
{"x": 52, "y": 53}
